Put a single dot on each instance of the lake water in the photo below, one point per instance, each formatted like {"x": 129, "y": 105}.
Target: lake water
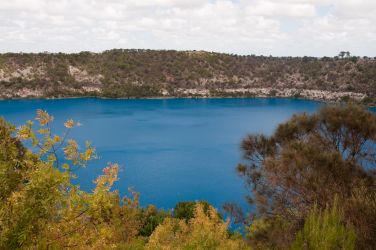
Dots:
{"x": 169, "y": 150}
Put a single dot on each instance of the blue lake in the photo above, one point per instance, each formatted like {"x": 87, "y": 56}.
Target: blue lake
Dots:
{"x": 169, "y": 150}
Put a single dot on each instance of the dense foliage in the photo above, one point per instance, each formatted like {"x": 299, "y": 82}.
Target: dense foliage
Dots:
{"x": 325, "y": 230}
{"x": 206, "y": 230}
{"x": 138, "y": 73}
{"x": 310, "y": 161}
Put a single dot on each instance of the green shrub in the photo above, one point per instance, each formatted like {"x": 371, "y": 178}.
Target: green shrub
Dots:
{"x": 185, "y": 209}
{"x": 325, "y": 230}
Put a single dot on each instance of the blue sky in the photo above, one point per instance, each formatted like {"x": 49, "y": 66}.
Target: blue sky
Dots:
{"x": 267, "y": 27}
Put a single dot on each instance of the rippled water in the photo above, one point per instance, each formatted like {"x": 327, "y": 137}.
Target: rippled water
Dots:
{"x": 169, "y": 149}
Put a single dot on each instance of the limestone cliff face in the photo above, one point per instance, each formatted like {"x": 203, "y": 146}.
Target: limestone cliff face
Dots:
{"x": 146, "y": 73}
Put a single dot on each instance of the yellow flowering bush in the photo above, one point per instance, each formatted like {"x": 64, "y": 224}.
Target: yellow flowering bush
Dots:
{"x": 203, "y": 231}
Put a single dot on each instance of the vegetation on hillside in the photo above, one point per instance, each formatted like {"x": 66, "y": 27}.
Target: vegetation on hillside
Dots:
{"x": 313, "y": 182}
{"x": 143, "y": 73}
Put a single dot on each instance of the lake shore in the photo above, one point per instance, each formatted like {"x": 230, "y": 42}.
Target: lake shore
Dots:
{"x": 305, "y": 94}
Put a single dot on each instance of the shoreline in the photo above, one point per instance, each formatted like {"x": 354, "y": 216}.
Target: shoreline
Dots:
{"x": 291, "y": 93}
{"x": 177, "y": 97}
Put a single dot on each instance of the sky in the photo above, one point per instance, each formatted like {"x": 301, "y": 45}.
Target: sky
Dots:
{"x": 261, "y": 27}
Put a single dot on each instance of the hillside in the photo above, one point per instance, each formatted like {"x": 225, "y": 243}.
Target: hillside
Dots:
{"x": 148, "y": 73}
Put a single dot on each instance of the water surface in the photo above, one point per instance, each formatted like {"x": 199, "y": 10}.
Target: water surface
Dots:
{"x": 169, "y": 150}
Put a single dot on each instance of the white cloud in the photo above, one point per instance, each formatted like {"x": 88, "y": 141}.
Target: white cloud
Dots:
{"x": 275, "y": 9}
{"x": 289, "y": 27}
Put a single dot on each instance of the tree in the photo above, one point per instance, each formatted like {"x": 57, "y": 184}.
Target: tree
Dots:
{"x": 307, "y": 162}
{"x": 186, "y": 210}
{"x": 151, "y": 218}
{"x": 203, "y": 231}
{"x": 342, "y": 54}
